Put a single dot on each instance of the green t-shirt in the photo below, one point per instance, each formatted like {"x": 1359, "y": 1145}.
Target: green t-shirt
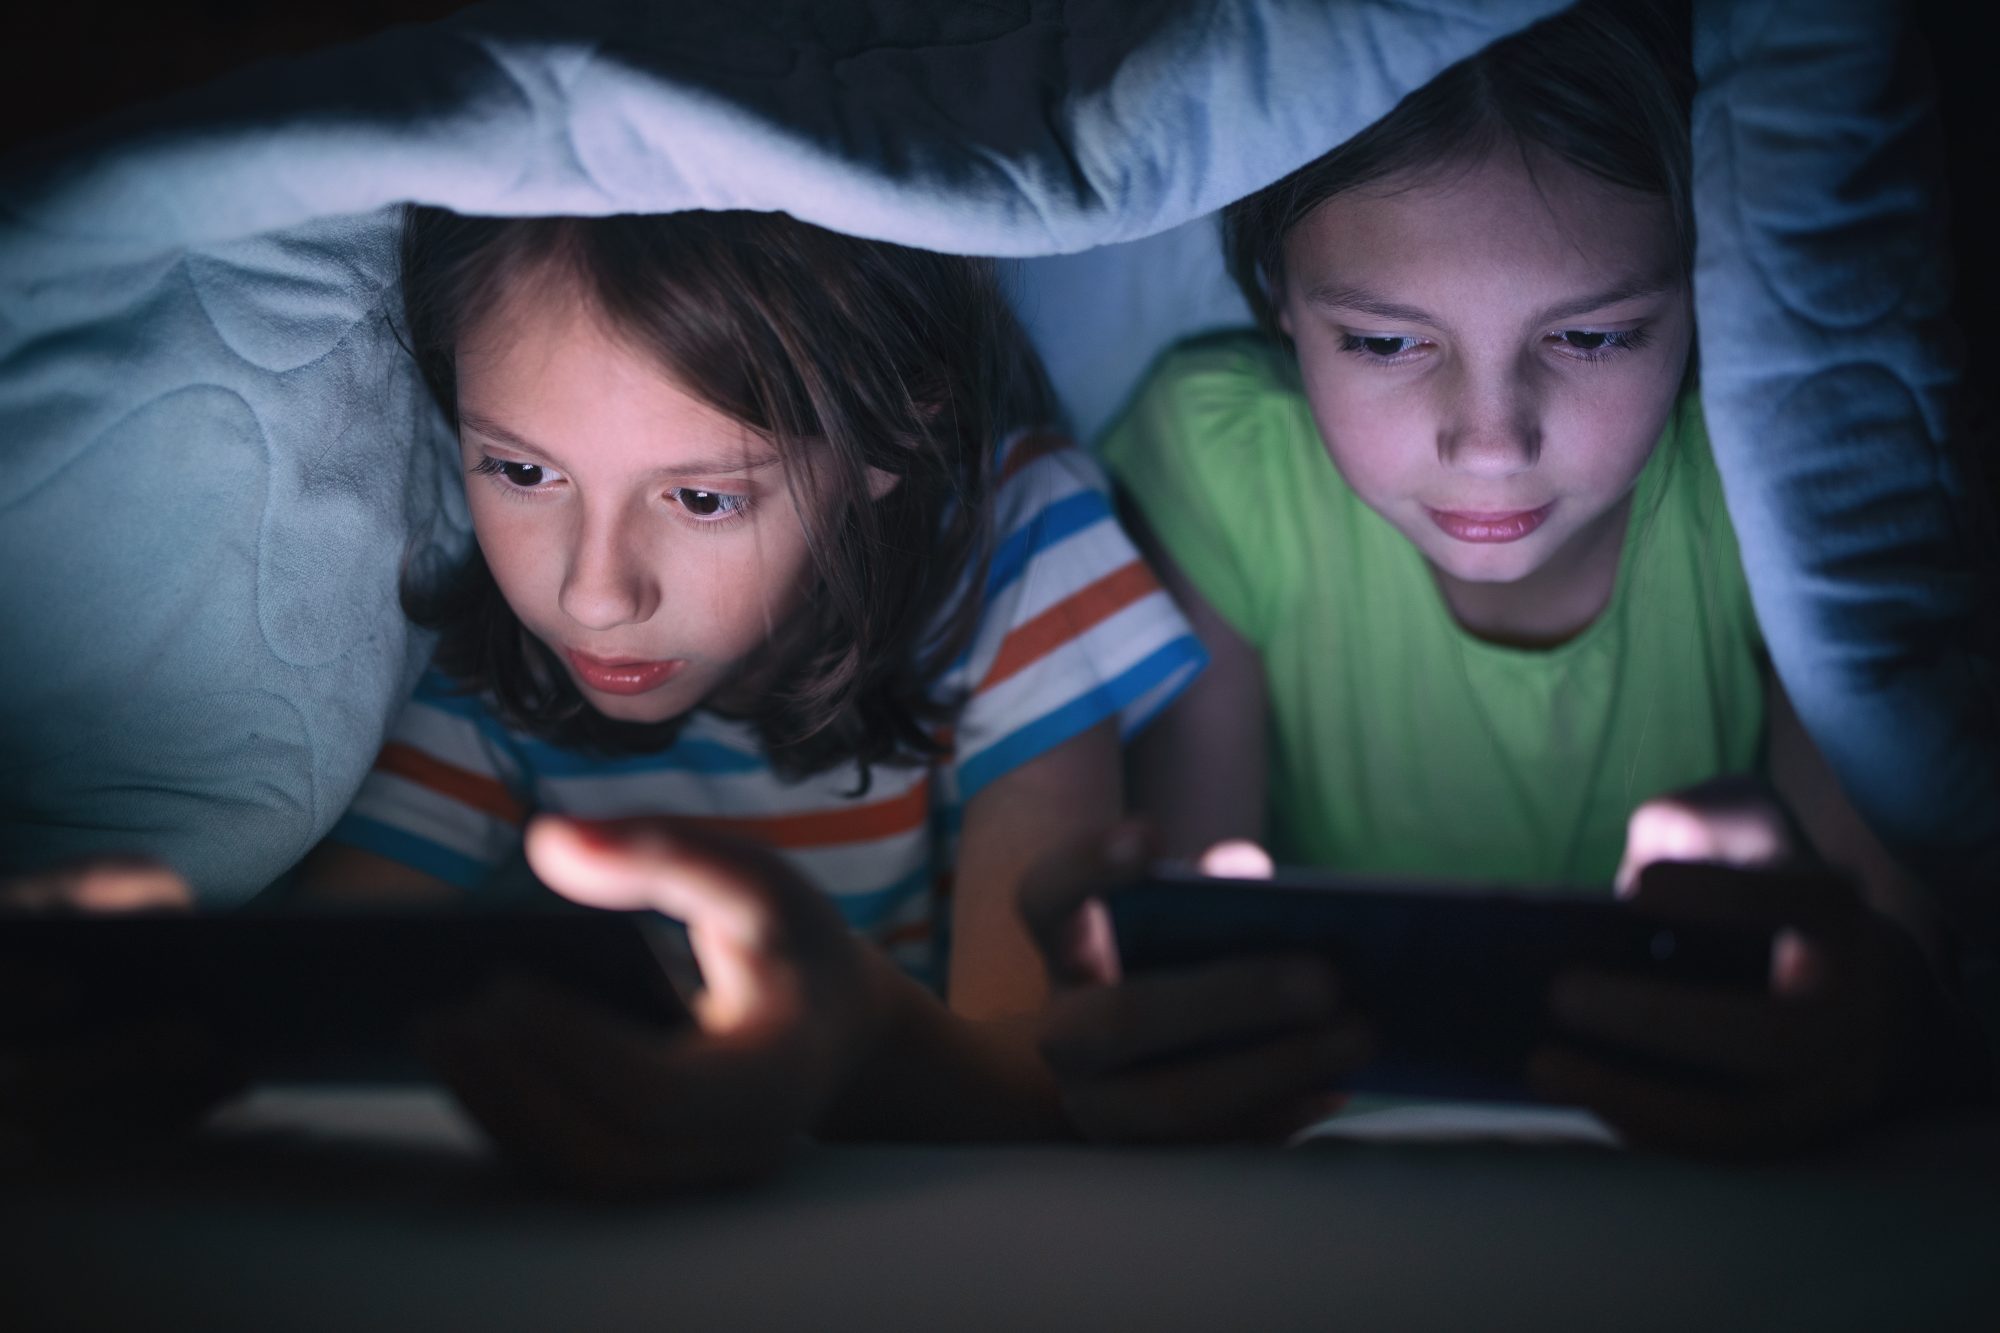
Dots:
{"x": 1400, "y": 744}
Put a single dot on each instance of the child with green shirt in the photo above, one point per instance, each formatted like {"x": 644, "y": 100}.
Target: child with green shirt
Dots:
{"x": 1450, "y": 531}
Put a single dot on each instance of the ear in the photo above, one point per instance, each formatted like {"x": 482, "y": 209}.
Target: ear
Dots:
{"x": 880, "y": 483}
{"x": 1284, "y": 310}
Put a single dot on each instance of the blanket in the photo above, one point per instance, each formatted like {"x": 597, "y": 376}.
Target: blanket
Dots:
{"x": 221, "y": 460}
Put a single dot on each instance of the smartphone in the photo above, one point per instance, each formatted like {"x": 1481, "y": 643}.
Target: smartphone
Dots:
{"x": 323, "y": 995}
{"x": 1453, "y": 978}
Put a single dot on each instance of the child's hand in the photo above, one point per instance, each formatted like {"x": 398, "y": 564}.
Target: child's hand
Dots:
{"x": 68, "y": 1085}
{"x": 1736, "y": 821}
{"x": 593, "y": 1100}
{"x": 1245, "y": 1048}
{"x": 107, "y": 884}
{"x": 1848, "y": 1021}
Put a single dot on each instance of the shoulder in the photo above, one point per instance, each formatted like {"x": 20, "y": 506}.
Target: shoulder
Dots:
{"x": 1039, "y": 467}
{"x": 1047, "y": 492}
{"x": 1234, "y": 362}
{"x": 1208, "y": 394}
{"x": 1054, "y": 526}
{"x": 1072, "y": 626}
{"x": 1219, "y": 431}
{"x": 1692, "y": 481}
{"x": 458, "y": 724}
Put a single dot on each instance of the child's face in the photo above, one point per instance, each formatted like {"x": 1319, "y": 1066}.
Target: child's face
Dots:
{"x": 1490, "y": 358}
{"x": 649, "y": 540}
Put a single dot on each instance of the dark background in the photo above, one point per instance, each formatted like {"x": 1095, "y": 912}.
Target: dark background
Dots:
{"x": 64, "y": 62}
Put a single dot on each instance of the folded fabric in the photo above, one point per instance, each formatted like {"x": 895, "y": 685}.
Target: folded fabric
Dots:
{"x": 1828, "y": 374}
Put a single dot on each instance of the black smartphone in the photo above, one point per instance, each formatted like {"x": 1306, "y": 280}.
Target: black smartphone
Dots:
{"x": 323, "y": 995}
{"x": 1453, "y": 978}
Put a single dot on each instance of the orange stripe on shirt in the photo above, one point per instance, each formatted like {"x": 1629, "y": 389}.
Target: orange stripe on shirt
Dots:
{"x": 1030, "y": 447}
{"x": 822, "y": 828}
{"x": 1032, "y": 640}
{"x": 482, "y": 793}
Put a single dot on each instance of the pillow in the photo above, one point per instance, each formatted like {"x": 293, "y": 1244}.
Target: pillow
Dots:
{"x": 221, "y": 460}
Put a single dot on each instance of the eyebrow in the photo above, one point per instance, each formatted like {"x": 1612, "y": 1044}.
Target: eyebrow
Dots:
{"x": 1336, "y": 297}
{"x": 498, "y": 433}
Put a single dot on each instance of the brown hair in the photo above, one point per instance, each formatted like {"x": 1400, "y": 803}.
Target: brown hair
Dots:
{"x": 847, "y": 355}
{"x": 1606, "y": 86}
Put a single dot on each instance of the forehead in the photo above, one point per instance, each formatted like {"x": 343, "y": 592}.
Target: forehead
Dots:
{"x": 1506, "y": 221}
{"x": 544, "y": 362}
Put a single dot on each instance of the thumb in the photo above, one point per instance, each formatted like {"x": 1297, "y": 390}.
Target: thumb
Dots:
{"x": 1060, "y": 902}
{"x": 1687, "y": 826}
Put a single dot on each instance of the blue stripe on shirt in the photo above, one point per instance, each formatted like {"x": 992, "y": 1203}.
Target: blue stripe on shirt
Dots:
{"x": 1066, "y": 517}
{"x": 386, "y": 840}
{"x": 692, "y": 755}
{"x": 441, "y": 692}
{"x": 1183, "y": 655}
{"x": 866, "y": 910}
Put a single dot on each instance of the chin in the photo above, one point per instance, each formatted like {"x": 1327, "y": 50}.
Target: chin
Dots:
{"x": 1498, "y": 571}
{"x": 1493, "y": 564}
{"x": 637, "y": 709}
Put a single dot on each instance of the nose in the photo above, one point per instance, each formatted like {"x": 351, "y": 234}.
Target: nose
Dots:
{"x": 1490, "y": 425}
{"x": 609, "y": 581}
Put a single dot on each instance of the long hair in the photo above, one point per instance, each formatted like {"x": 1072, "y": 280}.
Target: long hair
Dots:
{"x": 1605, "y": 86}
{"x": 846, "y": 355}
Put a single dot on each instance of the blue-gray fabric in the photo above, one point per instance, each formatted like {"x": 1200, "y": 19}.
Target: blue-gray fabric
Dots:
{"x": 221, "y": 460}
{"x": 1829, "y": 375}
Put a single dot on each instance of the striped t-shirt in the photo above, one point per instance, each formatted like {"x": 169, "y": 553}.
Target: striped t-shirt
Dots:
{"x": 1074, "y": 630}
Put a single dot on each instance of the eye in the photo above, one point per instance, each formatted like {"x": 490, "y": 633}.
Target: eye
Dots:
{"x": 1597, "y": 344}
{"x": 708, "y": 506}
{"x": 517, "y": 476}
{"x": 1377, "y": 348}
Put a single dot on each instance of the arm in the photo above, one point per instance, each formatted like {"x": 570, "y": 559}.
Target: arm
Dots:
{"x": 1198, "y": 772}
{"x": 800, "y": 1028}
{"x": 973, "y": 1070}
{"x": 1016, "y": 820}
{"x": 1244, "y": 1048}
{"x": 930, "y": 1073}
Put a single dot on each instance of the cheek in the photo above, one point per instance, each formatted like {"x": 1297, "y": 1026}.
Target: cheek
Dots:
{"x": 1372, "y": 428}
{"x": 742, "y": 585}
{"x": 781, "y": 575}
{"x": 1616, "y": 421}
{"x": 517, "y": 546}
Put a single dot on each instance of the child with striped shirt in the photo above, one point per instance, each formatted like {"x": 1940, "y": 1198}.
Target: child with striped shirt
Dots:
{"x": 773, "y": 539}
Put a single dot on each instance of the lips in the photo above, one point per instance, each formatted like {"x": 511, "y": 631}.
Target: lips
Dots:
{"x": 622, "y": 675}
{"x": 1488, "y": 525}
